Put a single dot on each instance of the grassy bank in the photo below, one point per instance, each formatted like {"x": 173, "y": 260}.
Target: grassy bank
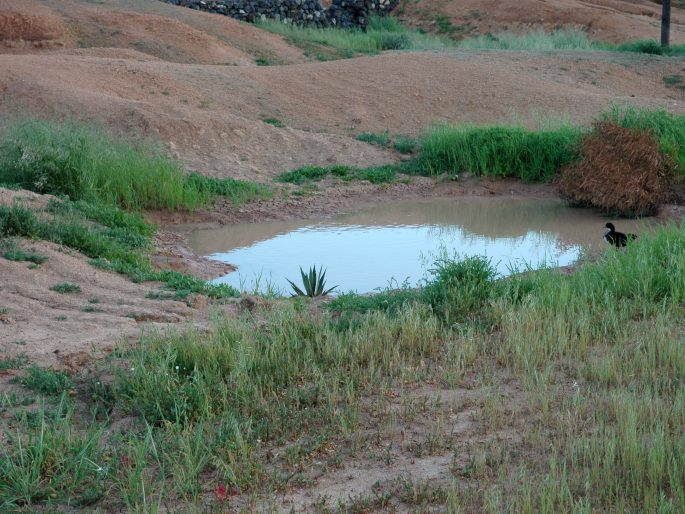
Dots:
{"x": 102, "y": 182}
{"x": 112, "y": 238}
{"x": 261, "y": 404}
{"x": 534, "y": 155}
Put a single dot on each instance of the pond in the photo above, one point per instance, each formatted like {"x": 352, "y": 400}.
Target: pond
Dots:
{"x": 397, "y": 242}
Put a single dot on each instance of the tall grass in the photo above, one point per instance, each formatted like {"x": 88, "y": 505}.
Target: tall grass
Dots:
{"x": 86, "y": 163}
{"x": 500, "y": 151}
{"x": 383, "y": 33}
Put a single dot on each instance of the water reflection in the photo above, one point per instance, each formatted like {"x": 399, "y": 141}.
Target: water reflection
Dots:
{"x": 365, "y": 250}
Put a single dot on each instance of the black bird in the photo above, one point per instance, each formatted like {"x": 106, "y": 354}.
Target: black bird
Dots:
{"x": 618, "y": 239}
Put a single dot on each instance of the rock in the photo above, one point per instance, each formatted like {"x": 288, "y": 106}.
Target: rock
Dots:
{"x": 343, "y": 13}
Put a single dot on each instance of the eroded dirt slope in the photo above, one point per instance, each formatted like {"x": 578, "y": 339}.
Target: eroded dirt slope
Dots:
{"x": 604, "y": 20}
{"x": 211, "y": 116}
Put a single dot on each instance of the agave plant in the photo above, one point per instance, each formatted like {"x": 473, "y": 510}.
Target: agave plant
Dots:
{"x": 314, "y": 283}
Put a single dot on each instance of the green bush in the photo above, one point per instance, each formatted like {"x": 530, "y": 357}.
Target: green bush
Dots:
{"x": 66, "y": 288}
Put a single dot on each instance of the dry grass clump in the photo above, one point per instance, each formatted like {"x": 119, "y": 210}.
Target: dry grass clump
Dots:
{"x": 620, "y": 171}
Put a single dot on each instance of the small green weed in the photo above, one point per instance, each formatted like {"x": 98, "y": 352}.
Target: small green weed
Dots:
{"x": 674, "y": 81}
{"x": 46, "y": 381}
{"x": 19, "y": 255}
{"x": 380, "y": 139}
{"x": 405, "y": 144}
{"x": 16, "y": 362}
{"x": 66, "y": 288}
{"x": 274, "y": 121}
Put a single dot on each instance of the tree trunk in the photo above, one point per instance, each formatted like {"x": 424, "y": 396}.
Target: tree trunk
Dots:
{"x": 665, "y": 23}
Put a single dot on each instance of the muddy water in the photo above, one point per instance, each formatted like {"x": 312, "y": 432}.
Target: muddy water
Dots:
{"x": 396, "y": 242}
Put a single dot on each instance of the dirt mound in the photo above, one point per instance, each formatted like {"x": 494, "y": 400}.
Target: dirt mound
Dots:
{"x": 27, "y": 24}
{"x": 605, "y": 20}
{"x": 160, "y": 30}
{"x": 620, "y": 171}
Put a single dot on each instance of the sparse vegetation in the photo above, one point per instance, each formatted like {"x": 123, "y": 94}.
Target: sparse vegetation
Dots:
{"x": 16, "y": 362}
{"x": 120, "y": 244}
{"x": 13, "y": 252}
{"x": 561, "y": 39}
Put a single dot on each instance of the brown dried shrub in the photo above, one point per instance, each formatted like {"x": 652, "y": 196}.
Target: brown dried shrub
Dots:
{"x": 620, "y": 171}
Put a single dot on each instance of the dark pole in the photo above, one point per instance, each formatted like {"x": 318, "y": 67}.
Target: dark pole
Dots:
{"x": 665, "y": 23}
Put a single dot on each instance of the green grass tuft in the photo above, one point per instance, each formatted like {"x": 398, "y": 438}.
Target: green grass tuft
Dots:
{"x": 46, "y": 381}
{"x": 274, "y": 121}
{"x": 66, "y": 288}
{"x": 238, "y": 191}
{"x": 380, "y": 139}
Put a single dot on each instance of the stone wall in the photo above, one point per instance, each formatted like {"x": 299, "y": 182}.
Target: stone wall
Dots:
{"x": 340, "y": 13}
